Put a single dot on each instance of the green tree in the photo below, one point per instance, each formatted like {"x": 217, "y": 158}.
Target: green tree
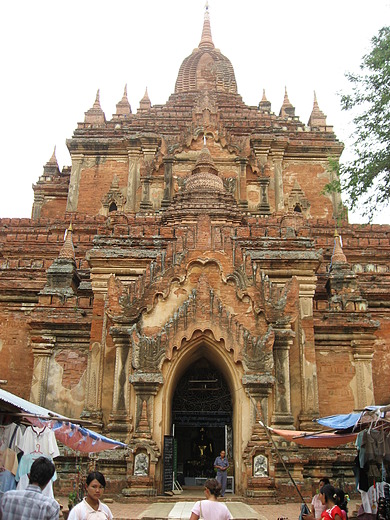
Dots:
{"x": 366, "y": 177}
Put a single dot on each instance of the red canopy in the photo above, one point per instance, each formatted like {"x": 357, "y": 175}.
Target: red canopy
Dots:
{"x": 315, "y": 439}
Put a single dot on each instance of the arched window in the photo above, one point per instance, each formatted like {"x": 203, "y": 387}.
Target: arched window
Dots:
{"x": 113, "y": 207}
{"x": 297, "y": 208}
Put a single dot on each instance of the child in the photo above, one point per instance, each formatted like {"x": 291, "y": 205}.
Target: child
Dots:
{"x": 330, "y": 499}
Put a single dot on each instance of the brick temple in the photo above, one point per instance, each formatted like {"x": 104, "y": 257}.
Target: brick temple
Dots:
{"x": 205, "y": 282}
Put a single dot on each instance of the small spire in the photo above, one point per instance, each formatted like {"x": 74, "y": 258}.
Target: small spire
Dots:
{"x": 317, "y": 117}
{"x": 95, "y": 115}
{"x": 206, "y": 39}
{"x": 123, "y": 108}
{"x": 338, "y": 253}
{"x": 67, "y": 250}
{"x": 287, "y": 109}
{"x": 264, "y": 105}
{"x": 53, "y": 158}
{"x": 145, "y": 104}
{"x": 97, "y": 100}
{"x": 51, "y": 168}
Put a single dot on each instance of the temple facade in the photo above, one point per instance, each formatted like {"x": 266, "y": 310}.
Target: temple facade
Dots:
{"x": 206, "y": 282}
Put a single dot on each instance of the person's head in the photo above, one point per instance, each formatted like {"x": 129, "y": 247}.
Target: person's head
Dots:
{"x": 41, "y": 472}
{"x": 95, "y": 485}
{"x": 328, "y": 494}
{"x": 213, "y": 487}
{"x": 324, "y": 481}
{"x": 341, "y": 500}
{"x": 222, "y": 454}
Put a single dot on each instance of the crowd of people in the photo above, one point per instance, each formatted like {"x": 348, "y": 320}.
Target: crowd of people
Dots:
{"x": 329, "y": 503}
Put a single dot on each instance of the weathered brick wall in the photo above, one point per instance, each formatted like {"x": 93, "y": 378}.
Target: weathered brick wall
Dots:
{"x": 381, "y": 361}
{"x": 16, "y": 359}
{"x": 96, "y": 181}
{"x": 54, "y": 208}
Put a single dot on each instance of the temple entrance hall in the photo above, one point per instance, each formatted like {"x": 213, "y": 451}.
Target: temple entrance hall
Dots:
{"x": 201, "y": 422}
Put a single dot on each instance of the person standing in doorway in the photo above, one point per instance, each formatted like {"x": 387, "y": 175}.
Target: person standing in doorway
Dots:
{"x": 221, "y": 464}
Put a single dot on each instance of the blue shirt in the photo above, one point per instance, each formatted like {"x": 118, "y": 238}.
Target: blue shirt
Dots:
{"x": 223, "y": 462}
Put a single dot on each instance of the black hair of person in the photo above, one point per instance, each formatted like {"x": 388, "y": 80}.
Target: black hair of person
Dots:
{"x": 330, "y": 493}
{"x": 41, "y": 471}
{"x": 96, "y": 475}
{"x": 325, "y": 480}
{"x": 341, "y": 500}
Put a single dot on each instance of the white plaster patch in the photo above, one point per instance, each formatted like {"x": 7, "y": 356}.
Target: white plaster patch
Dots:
{"x": 61, "y": 399}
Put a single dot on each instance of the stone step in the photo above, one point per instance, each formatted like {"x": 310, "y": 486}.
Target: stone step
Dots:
{"x": 182, "y": 511}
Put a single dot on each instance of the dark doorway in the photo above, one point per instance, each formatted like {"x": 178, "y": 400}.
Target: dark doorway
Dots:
{"x": 202, "y": 416}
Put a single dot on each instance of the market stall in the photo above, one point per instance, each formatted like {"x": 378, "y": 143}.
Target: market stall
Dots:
{"x": 28, "y": 431}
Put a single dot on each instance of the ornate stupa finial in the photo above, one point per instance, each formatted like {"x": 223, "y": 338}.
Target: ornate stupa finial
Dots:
{"x": 53, "y": 158}
{"x": 264, "y": 105}
{"x": 145, "y": 104}
{"x": 317, "y": 117}
{"x": 338, "y": 253}
{"x": 206, "y": 39}
{"x": 287, "y": 109}
{"x": 51, "y": 168}
{"x": 95, "y": 115}
{"x": 62, "y": 277}
{"x": 67, "y": 250}
{"x": 123, "y": 108}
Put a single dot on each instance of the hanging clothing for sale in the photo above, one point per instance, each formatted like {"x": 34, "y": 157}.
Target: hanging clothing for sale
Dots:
{"x": 10, "y": 435}
{"x": 40, "y": 440}
{"x": 24, "y": 467}
{"x": 36, "y": 442}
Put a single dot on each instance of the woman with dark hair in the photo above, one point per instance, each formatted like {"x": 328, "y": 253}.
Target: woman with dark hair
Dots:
{"x": 317, "y": 507}
{"x": 210, "y": 509}
{"x": 330, "y": 499}
{"x": 90, "y": 506}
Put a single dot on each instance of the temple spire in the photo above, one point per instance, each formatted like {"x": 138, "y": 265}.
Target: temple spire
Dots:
{"x": 338, "y": 253}
{"x": 145, "y": 104}
{"x": 53, "y": 158}
{"x": 317, "y": 117}
{"x": 123, "y": 108}
{"x": 51, "y": 168}
{"x": 67, "y": 250}
{"x": 264, "y": 105}
{"x": 287, "y": 109}
{"x": 206, "y": 39}
{"x": 95, "y": 115}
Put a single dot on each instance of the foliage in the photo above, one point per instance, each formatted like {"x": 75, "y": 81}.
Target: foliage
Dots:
{"x": 367, "y": 175}
{"x": 74, "y": 498}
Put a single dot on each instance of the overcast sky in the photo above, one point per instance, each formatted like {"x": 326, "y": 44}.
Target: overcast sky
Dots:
{"x": 56, "y": 54}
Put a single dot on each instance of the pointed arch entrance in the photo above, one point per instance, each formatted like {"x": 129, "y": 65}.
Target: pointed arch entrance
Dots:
{"x": 202, "y": 417}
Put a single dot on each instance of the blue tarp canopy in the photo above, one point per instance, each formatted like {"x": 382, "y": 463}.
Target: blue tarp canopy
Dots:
{"x": 356, "y": 421}
{"x": 343, "y": 421}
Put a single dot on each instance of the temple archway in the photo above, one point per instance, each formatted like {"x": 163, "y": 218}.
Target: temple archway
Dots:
{"x": 202, "y": 416}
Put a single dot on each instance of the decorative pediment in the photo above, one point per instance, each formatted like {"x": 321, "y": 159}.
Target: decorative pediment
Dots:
{"x": 297, "y": 200}
{"x": 113, "y": 200}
